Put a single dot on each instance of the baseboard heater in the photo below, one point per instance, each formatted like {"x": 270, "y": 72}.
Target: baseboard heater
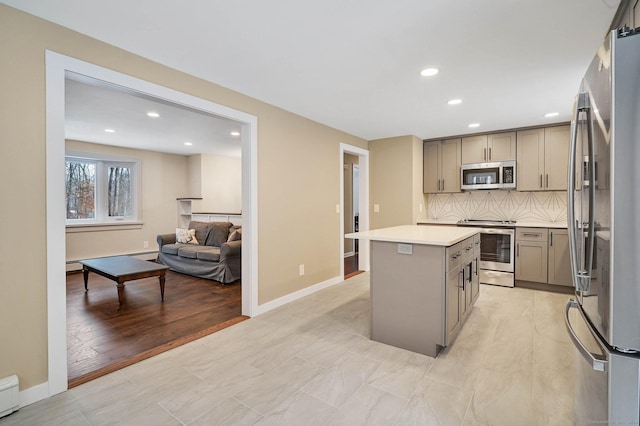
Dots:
{"x": 9, "y": 395}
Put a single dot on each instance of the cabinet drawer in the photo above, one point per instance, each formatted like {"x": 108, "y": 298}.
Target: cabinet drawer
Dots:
{"x": 454, "y": 256}
{"x": 531, "y": 234}
{"x": 467, "y": 248}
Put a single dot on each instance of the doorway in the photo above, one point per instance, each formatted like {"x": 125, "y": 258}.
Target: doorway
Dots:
{"x": 354, "y": 198}
{"x": 57, "y": 67}
{"x": 351, "y": 214}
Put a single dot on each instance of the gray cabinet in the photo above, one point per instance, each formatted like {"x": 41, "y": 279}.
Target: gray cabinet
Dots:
{"x": 487, "y": 148}
{"x": 531, "y": 254}
{"x": 475, "y": 288}
{"x": 542, "y": 256}
{"x": 462, "y": 286}
{"x": 542, "y": 159}
{"x": 441, "y": 166}
{"x": 559, "y": 267}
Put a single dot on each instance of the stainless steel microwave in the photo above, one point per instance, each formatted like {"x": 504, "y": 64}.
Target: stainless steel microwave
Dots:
{"x": 496, "y": 175}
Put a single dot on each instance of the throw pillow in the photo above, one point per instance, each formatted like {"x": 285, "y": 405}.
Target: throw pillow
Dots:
{"x": 186, "y": 236}
{"x": 235, "y": 235}
{"x": 218, "y": 233}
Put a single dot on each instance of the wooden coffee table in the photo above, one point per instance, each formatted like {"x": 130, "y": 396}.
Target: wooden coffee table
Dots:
{"x": 121, "y": 269}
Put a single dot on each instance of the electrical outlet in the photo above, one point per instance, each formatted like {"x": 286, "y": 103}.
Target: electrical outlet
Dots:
{"x": 301, "y": 269}
{"x": 337, "y": 208}
{"x": 376, "y": 208}
{"x": 420, "y": 205}
{"x": 145, "y": 244}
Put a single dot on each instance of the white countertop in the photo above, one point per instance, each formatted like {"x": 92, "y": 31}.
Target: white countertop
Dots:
{"x": 418, "y": 234}
{"x": 558, "y": 225}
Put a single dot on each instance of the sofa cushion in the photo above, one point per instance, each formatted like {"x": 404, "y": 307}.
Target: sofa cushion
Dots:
{"x": 171, "y": 248}
{"x": 186, "y": 236}
{"x": 218, "y": 233}
{"x": 211, "y": 254}
{"x": 189, "y": 251}
{"x": 202, "y": 230}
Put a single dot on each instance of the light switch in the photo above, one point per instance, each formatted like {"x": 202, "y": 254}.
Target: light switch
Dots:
{"x": 376, "y": 208}
{"x": 337, "y": 208}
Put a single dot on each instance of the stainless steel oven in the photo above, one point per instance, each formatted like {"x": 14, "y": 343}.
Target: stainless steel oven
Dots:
{"x": 496, "y": 251}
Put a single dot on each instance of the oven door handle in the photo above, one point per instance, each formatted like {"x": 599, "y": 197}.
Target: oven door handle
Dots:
{"x": 497, "y": 231}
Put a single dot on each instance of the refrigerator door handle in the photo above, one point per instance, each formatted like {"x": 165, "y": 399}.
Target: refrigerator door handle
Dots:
{"x": 581, "y": 279}
{"x": 597, "y": 362}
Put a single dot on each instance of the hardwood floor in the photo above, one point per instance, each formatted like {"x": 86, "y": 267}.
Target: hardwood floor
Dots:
{"x": 102, "y": 339}
{"x": 351, "y": 266}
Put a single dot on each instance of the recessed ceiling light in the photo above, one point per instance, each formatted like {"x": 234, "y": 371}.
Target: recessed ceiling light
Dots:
{"x": 474, "y": 125}
{"x": 428, "y": 72}
{"x": 153, "y": 114}
{"x": 109, "y": 130}
{"x": 552, "y": 114}
{"x": 454, "y": 101}
{"x": 188, "y": 143}
{"x": 235, "y": 133}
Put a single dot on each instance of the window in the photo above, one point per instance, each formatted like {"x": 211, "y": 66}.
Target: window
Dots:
{"x": 100, "y": 191}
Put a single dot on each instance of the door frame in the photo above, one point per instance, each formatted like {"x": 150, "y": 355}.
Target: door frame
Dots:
{"x": 56, "y": 67}
{"x": 363, "y": 202}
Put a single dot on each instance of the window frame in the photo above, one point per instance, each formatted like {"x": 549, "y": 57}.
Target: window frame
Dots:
{"x": 103, "y": 162}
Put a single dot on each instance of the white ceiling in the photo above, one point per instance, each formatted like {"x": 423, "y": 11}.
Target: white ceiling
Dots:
{"x": 355, "y": 65}
{"x": 91, "y": 106}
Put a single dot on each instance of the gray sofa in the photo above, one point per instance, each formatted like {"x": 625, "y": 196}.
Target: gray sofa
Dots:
{"x": 214, "y": 257}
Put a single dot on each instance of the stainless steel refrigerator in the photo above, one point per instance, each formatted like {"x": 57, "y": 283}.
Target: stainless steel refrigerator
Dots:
{"x": 603, "y": 212}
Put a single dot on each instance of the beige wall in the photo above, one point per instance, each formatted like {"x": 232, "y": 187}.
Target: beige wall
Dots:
{"x": 220, "y": 183}
{"x": 164, "y": 178}
{"x": 298, "y": 183}
{"x": 396, "y": 181}
{"x": 195, "y": 177}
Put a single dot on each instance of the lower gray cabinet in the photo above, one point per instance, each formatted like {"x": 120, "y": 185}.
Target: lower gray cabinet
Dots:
{"x": 559, "y": 267}
{"x": 531, "y": 254}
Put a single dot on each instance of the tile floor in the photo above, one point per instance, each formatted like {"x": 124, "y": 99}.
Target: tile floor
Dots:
{"x": 311, "y": 363}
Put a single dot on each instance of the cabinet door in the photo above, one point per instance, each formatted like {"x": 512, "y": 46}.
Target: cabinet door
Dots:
{"x": 531, "y": 261}
{"x": 530, "y": 165}
{"x": 501, "y": 146}
{"x": 559, "y": 266}
{"x": 466, "y": 295}
{"x": 475, "y": 288}
{"x": 474, "y": 149}
{"x": 450, "y": 166}
{"x": 556, "y": 155}
{"x": 454, "y": 278}
{"x": 431, "y": 167}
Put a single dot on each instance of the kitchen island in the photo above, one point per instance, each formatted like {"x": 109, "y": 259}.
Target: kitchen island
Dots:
{"x": 424, "y": 281}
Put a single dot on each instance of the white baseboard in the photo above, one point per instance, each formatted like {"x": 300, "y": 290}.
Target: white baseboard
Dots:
{"x": 266, "y": 307}
{"x": 34, "y": 394}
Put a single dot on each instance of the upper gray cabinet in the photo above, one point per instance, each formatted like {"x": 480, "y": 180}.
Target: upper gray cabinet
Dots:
{"x": 488, "y": 148}
{"x": 542, "y": 159}
{"x": 441, "y": 170}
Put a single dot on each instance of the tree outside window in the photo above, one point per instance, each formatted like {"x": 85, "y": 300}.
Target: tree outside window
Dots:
{"x": 99, "y": 191}
{"x": 81, "y": 190}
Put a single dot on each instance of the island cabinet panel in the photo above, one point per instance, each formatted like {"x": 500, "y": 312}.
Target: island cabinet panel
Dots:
{"x": 407, "y": 296}
{"x": 421, "y": 296}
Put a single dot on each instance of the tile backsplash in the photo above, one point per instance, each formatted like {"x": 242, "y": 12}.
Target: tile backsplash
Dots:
{"x": 499, "y": 205}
